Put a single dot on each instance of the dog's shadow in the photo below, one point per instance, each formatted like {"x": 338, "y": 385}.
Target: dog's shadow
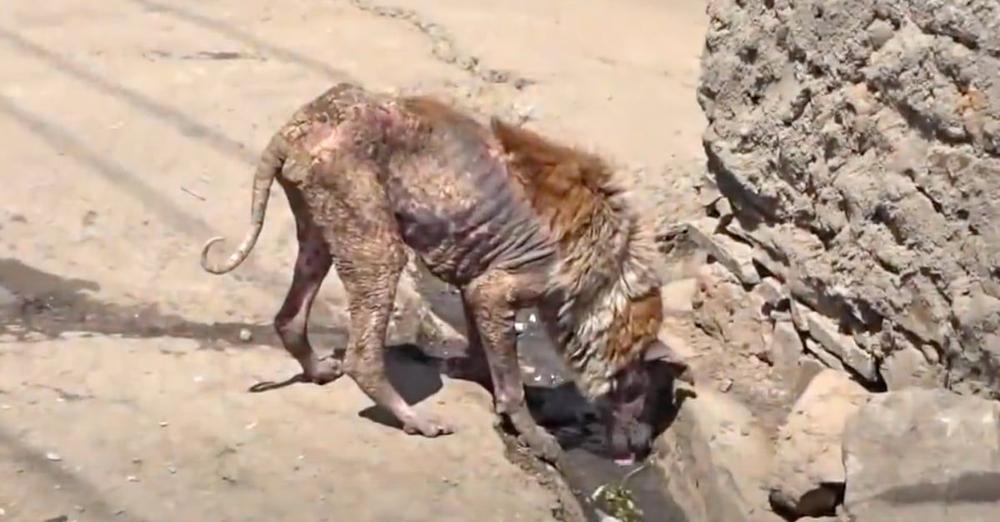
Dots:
{"x": 415, "y": 375}
{"x": 561, "y": 409}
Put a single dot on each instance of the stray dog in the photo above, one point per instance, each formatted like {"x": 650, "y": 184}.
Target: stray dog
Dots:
{"x": 511, "y": 219}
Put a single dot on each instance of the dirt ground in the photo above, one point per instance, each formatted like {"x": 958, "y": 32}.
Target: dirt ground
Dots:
{"x": 128, "y": 128}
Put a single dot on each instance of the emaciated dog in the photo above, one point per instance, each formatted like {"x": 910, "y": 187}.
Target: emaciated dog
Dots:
{"x": 510, "y": 218}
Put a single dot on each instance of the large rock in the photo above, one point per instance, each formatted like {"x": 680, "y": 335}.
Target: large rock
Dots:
{"x": 921, "y": 455}
{"x": 808, "y": 474}
{"x": 716, "y": 459}
{"x": 857, "y": 145}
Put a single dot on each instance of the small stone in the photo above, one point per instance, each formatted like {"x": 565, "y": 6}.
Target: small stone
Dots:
{"x": 908, "y": 367}
{"x": 771, "y": 291}
{"x": 172, "y": 470}
{"x": 519, "y": 327}
{"x": 726, "y": 385}
{"x": 880, "y": 32}
{"x": 736, "y": 256}
{"x": 828, "y": 359}
{"x": 53, "y": 456}
{"x": 246, "y": 335}
{"x": 164, "y": 424}
{"x": 132, "y": 478}
{"x": 799, "y": 311}
{"x": 843, "y": 346}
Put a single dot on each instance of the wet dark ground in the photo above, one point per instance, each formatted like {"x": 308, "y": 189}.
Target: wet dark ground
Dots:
{"x": 38, "y": 303}
{"x": 556, "y": 404}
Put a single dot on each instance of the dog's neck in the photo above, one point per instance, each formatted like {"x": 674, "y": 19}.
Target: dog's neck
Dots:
{"x": 589, "y": 309}
{"x": 600, "y": 307}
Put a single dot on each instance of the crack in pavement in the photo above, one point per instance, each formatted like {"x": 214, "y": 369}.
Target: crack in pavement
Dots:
{"x": 247, "y": 38}
{"x": 443, "y": 45}
{"x": 63, "y": 394}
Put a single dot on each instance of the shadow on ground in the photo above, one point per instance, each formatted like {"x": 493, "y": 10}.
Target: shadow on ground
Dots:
{"x": 50, "y": 305}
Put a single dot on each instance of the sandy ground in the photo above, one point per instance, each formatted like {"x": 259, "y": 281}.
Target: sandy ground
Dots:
{"x": 128, "y": 128}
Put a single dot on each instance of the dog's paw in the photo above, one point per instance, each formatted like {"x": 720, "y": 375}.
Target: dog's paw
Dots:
{"x": 427, "y": 425}
{"x": 324, "y": 371}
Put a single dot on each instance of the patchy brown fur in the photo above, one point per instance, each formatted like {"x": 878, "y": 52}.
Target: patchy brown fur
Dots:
{"x": 510, "y": 218}
{"x": 603, "y": 251}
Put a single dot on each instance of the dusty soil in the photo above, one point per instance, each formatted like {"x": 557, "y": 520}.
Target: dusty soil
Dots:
{"x": 128, "y": 129}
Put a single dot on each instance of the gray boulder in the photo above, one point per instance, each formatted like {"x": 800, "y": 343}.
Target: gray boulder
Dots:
{"x": 921, "y": 455}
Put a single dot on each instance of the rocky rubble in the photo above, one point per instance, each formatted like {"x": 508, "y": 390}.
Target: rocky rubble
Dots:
{"x": 852, "y": 235}
{"x": 853, "y": 148}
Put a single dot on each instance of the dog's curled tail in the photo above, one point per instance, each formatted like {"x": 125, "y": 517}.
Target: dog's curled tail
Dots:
{"x": 269, "y": 166}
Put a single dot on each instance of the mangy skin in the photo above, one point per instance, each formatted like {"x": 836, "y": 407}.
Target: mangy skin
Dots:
{"x": 509, "y": 218}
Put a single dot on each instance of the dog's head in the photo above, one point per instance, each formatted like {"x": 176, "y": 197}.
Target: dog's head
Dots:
{"x": 629, "y": 407}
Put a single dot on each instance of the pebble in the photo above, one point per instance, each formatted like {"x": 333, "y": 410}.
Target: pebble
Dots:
{"x": 164, "y": 424}
{"x": 245, "y": 335}
{"x": 132, "y": 478}
{"x": 53, "y": 456}
{"x": 726, "y": 385}
{"x": 519, "y": 327}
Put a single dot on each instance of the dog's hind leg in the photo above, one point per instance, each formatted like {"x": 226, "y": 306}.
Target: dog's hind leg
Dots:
{"x": 371, "y": 283}
{"x": 311, "y": 266}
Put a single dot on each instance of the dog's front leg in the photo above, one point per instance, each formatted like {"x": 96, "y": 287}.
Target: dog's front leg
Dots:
{"x": 491, "y": 300}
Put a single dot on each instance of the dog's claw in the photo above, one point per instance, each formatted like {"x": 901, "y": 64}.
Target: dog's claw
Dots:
{"x": 427, "y": 425}
{"x": 324, "y": 371}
